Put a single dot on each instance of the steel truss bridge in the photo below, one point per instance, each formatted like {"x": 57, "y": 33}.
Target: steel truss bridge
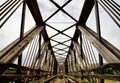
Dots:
{"x": 45, "y": 61}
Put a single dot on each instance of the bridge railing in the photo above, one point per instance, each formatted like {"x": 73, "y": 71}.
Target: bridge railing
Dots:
{"x": 87, "y": 63}
{"x": 95, "y": 55}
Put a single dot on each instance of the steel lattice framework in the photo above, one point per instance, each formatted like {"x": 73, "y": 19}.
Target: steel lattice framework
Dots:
{"x": 46, "y": 54}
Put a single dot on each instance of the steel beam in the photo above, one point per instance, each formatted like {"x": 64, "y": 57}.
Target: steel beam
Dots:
{"x": 108, "y": 45}
{"x": 13, "y": 44}
{"x": 109, "y": 77}
{"x": 108, "y": 56}
{"x": 76, "y": 45}
{"x": 42, "y": 54}
{"x": 22, "y": 35}
{"x": 55, "y": 67}
{"x": 33, "y": 6}
{"x": 16, "y": 51}
{"x": 98, "y": 34}
{"x": 86, "y": 10}
{"x": 66, "y": 66}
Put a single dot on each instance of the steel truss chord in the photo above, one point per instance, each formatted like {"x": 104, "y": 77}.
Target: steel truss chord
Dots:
{"x": 11, "y": 55}
{"x": 111, "y": 58}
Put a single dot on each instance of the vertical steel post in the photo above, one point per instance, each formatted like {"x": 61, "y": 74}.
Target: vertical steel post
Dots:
{"x": 70, "y": 62}
{"x": 81, "y": 50}
{"x": 21, "y": 35}
{"x": 99, "y": 34}
{"x": 39, "y": 45}
{"x": 66, "y": 66}
{"x": 22, "y": 29}
{"x": 74, "y": 56}
{"x": 39, "y": 52}
{"x": 55, "y": 67}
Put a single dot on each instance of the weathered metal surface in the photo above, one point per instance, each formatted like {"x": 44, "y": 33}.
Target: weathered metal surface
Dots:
{"x": 21, "y": 46}
{"x": 46, "y": 60}
{"x": 108, "y": 56}
{"x": 33, "y": 6}
{"x": 112, "y": 48}
{"x": 87, "y": 8}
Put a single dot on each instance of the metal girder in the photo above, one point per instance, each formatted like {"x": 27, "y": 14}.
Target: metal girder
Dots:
{"x": 57, "y": 10}
{"x": 45, "y": 35}
{"x": 44, "y": 59}
{"x": 46, "y": 62}
{"x": 46, "y": 38}
{"x": 60, "y": 43}
{"x": 61, "y": 50}
{"x": 73, "y": 58}
{"x": 110, "y": 65}
{"x": 5, "y": 66}
{"x": 108, "y": 51}
{"x": 13, "y": 44}
{"x": 66, "y": 66}
{"x": 55, "y": 66}
{"x": 86, "y": 10}
{"x": 76, "y": 45}
{"x": 14, "y": 52}
{"x": 63, "y": 10}
{"x": 33, "y": 6}
{"x": 112, "y": 48}
{"x": 110, "y": 77}
{"x": 42, "y": 53}
{"x": 108, "y": 56}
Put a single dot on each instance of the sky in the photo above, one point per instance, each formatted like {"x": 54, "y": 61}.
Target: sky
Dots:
{"x": 11, "y": 30}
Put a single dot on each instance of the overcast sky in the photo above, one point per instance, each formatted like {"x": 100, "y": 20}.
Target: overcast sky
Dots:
{"x": 10, "y": 31}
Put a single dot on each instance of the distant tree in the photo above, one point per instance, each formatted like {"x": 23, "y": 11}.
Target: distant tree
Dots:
{"x": 108, "y": 71}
